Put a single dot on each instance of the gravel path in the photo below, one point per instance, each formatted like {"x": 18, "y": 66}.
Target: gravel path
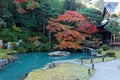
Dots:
{"x": 103, "y": 71}
{"x": 106, "y": 70}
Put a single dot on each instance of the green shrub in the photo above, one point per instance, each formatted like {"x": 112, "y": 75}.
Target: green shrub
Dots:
{"x": 99, "y": 51}
{"x": 25, "y": 46}
{"x": 110, "y": 54}
{"x": 43, "y": 38}
{"x": 22, "y": 49}
{"x": 15, "y": 47}
{"x": 30, "y": 47}
{"x": 38, "y": 49}
{"x": 47, "y": 47}
{"x": 4, "y": 56}
{"x": 105, "y": 47}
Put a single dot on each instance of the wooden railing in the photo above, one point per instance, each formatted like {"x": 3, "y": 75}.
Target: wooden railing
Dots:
{"x": 115, "y": 43}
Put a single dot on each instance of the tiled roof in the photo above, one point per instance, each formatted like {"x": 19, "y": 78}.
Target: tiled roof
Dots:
{"x": 111, "y": 0}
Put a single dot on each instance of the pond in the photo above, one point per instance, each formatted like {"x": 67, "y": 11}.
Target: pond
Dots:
{"x": 30, "y": 61}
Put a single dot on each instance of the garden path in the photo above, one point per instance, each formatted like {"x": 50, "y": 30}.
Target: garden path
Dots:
{"x": 106, "y": 70}
{"x": 103, "y": 71}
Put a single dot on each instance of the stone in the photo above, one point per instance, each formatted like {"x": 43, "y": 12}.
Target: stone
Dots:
{"x": 1, "y": 44}
{"x": 4, "y": 62}
{"x": 13, "y": 58}
{"x": 9, "y": 46}
{"x": 59, "y": 53}
{"x": 19, "y": 42}
{"x": 37, "y": 43}
{"x": 0, "y": 68}
{"x": 49, "y": 65}
{"x": 92, "y": 52}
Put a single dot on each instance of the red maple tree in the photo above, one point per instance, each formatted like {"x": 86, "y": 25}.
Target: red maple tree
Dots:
{"x": 25, "y": 5}
{"x": 67, "y": 36}
{"x": 71, "y": 16}
{"x": 54, "y": 26}
{"x": 19, "y": 1}
{"x": 69, "y": 39}
{"x": 85, "y": 27}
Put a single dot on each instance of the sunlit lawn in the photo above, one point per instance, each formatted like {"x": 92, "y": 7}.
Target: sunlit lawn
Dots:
{"x": 96, "y": 60}
{"x": 64, "y": 71}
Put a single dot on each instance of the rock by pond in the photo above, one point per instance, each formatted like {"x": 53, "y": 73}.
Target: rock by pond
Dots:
{"x": 92, "y": 52}
{"x": 13, "y": 58}
{"x": 59, "y": 53}
{"x": 9, "y": 46}
{"x": 49, "y": 65}
{"x": 0, "y": 68}
{"x": 6, "y": 61}
{"x": 1, "y": 44}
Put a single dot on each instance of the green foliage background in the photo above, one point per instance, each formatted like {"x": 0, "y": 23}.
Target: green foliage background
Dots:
{"x": 33, "y": 23}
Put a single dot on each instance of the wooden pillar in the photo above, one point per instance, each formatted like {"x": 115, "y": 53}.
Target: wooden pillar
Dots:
{"x": 107, "y": 15}
{"x": 114, "y": 38}
{"x": 111, "y": 40}
{"x": 88, "y": 71}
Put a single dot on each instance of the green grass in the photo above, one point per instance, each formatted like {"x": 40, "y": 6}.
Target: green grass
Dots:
{"x": 117, "y": 52}
{"x": 4, "y": 53}
{"x": 96, "y": 60}
{"x": 8, "y": 51}
{"x": 4, "y": 56}
{"x": 64, "y": 71}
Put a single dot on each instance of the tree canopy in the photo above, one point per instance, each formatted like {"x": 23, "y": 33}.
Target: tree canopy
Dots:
{"x": 65, "y": 24}
{"x": 70, "y": 30}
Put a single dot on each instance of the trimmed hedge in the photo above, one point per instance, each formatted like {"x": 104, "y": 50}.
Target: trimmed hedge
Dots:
{"x": 110, "y": 54}
{"x": 105, "y": 47}
{"x": 99, "y": 51}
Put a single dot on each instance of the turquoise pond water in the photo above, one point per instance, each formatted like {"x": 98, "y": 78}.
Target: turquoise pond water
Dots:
{"x": 30, "y": 61}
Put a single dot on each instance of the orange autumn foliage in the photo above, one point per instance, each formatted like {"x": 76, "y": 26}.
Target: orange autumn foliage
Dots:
{"x": 19, "y": 1}
{"x": 67, "y": 36}
{"x": 71, "y": 16}
{"x": 68, "y": 45}
{"x": 21, "y": 10}
{"x": 35, "y": 38}
{"x": 86, "y": 27}
{"x": 69, "y": 40}
{"x": 54, "y": 26}
{"x": 24, "y": 5}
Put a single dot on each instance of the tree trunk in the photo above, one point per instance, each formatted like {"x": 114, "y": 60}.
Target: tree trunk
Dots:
{"x": 49, "y": 37}
{"x": 44, "y": 27}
